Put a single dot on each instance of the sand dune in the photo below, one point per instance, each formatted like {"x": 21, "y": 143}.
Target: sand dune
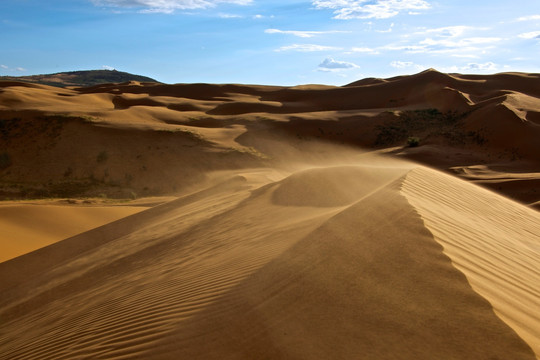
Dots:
{"x": 471, "y": 120}
{"x": 302, "y": 267}
{"x": 493, "y": 241}
{"x": 297, "y": 225}
{"x": 27, "y": 227}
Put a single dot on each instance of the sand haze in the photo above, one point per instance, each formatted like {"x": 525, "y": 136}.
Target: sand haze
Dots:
{"x": 386, "y": 219}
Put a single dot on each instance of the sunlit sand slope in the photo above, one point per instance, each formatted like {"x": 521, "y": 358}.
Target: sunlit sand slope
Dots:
{"x": 492, "y": 240}
{"x": 324, "y": 263}
{"x": 27, "y": 227}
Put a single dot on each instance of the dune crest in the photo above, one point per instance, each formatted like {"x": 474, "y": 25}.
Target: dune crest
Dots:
{"x": 251, "y": 268}
{"x": 492, "y": 240}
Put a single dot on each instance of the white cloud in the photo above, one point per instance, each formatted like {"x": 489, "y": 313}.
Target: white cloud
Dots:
{"x": 363, "y": 9}
{"x": 405, "y": 65}
{"x": 167, "y": 6}
{"x": 488, "y": 66}
{"x": 229, "y": 16}
{"x": 389, "y": 30}
{"x": 307, "y": 48}
{"x": 449, "y": 41}
{"x": 466, "y": 56}
{"x": 464, "y": 47}
{"x": 530, "y": 35}
{"x": 459, "y": 43}
{"x": 302, "y": 34}
{"x": 473, "y": 67}
{"x": 365, "y": 50}
{"x": 330, "y": 64}
{"x": 449, "y": 31}
{"x": 529, "y": 18}
{"x": 401, "y": 64}
{"x": 107, "y": 67}
{"x": 10, "y": 69}
{"x": 406, "y": 48}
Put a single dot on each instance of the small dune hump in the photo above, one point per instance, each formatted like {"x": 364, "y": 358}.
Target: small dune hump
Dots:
{"x": 334, "y": 186}
{"x": 386, "y": 219}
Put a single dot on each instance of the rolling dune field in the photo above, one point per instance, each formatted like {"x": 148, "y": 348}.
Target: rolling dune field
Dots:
{"x": 386, "y": 219}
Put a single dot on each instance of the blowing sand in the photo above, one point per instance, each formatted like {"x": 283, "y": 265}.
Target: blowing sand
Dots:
{"x": 333, "y": 261}
{"x": 284, "y": 240}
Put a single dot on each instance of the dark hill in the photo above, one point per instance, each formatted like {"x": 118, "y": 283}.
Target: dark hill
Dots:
{"x": 81, "y": 78}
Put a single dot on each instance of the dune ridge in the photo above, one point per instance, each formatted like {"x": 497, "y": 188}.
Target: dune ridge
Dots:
{"x": 306, "y": 222}
{"x": 493, "y": 241}
{"x": 253, "y": 268}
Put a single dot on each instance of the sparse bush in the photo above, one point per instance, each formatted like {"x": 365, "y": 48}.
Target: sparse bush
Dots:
{"x": 424, "y": 122}
{"x": 413, "y": 141}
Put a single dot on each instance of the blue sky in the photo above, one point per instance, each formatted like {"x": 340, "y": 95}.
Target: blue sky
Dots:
{"x": 269, "y": 42}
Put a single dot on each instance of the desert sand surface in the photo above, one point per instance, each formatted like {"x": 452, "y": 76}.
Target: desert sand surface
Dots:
{"x": 299, "y": 225}
{"x": 30, "y": 226}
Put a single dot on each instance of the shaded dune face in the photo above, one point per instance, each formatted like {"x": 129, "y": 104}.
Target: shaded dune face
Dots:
{"x": 241, "y": 270}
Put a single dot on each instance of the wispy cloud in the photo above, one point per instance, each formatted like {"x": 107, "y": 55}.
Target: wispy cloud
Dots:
{"x": 229, "y": 16}
{"x": 307, "y": 48}
{"x": 303, "y": 34}
{"x": 472, "y": 67}
{"x": 167, "y": 6}
{"x": 461, "y": 43}
{"x": 107, "y": 67}
{"x": 329, "y": 64}
{"x": 488, "y": 66}
{"x": 389, "y": 30}
{"x": 529, "y": 18}
{"x": 7, "y": 68}
{"x": 530, "y": 35}
{"x": 365, "y": 50}
{"x": 406, "y": 65}
{"x": 363, "y": 9}
{"x": 450, "y": 31}
{"x": 451, "y": 40}
{"x": 401, "y": 64}
{"x": 260, "y": 16}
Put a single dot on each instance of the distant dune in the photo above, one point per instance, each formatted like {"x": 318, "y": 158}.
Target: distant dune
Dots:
{"x": 80, "y": 78}
{"x": 308, "y": 222}
{"x": 139, "y": 138}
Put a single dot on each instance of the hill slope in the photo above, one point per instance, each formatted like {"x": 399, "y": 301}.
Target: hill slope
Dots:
{"x": 80, "y": 78}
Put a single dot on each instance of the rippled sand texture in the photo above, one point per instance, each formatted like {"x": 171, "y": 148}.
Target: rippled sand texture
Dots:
{"x": 294, "y": 229}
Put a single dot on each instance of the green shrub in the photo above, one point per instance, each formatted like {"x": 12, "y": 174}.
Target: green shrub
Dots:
{"x": 413, "y": 141}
